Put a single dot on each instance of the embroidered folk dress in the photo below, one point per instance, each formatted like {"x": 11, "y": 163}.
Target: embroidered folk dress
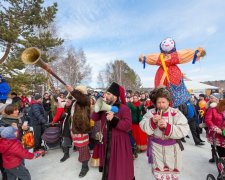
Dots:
{"x": 163, "y": 151}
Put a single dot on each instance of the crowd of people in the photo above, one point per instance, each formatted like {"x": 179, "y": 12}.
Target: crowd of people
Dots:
{"x": 137, "y": 122}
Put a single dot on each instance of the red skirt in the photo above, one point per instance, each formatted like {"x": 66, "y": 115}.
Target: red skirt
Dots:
{"x": 84, "y": 154}
{"x": 140, "y": 137}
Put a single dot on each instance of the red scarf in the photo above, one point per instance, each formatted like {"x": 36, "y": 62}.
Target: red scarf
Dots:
{"x": 136, "y": 104}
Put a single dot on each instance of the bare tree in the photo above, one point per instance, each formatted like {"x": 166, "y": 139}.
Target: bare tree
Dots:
{"x": 74, "y": 68}
{"x": 118, "y": 71}
{"x": 101, "y": 79}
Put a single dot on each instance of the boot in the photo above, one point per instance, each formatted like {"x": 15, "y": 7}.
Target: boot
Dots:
{"x": 100, "y": 169}
{"x": 66, "y": 154}
{"x": 212, "y": 160}
{"x": 84, "y": 169}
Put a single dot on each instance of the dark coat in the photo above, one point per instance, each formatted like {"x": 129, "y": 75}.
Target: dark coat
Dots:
{"x": 116, "y": 152}
{"x": 16, "y": 100}
{"x": 46, "y": 104}
{"x": 37, "y": 114}
{"x": 13, "y": 153}
{"x": 67, "y": 122}
{"x": 184, "y": 109}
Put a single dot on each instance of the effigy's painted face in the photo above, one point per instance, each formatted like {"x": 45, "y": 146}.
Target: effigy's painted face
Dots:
{"x": 167, "y": 44}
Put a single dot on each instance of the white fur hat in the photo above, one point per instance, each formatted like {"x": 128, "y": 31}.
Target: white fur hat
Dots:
{"x": 82, "y": 89}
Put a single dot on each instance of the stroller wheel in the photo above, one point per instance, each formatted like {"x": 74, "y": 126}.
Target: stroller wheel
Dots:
{"x": 210, "y": 177}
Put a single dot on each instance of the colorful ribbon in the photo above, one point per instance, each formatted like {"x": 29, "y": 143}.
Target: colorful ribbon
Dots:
{"x": 195, "y": 57}
{"x": 164, "y": 66}
{"x": 144, "y": 63}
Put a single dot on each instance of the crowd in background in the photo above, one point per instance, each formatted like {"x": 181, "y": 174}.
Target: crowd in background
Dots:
{"x": 38, "y": 111}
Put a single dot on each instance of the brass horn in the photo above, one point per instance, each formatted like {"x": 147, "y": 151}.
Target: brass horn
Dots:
{"x": 32, "y": 55}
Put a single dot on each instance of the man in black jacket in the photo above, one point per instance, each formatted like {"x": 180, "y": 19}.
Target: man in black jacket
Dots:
{"x": 37, "y": 120}
{"x": 191, "y": 121}
{"x": 47, "y": 106}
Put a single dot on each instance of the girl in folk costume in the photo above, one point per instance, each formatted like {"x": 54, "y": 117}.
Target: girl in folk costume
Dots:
{"x": 80, "y": 114}
{"x": 115, "y": 152}
{"x": 165, "y": 126}
{"x": 137, "y": 111}
{"x": 61, "y": 101}
{"x": 169, "y": 73}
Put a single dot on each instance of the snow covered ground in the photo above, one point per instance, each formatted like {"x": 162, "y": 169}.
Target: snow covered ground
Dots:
{"x": 195, "y": 165}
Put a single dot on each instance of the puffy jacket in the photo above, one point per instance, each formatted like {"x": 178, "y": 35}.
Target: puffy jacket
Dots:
{"x": 13, "y": 153}
{"x": 4, "y": 90}
{"x": 37, "y": 114}
{"x": 214, "y": 119}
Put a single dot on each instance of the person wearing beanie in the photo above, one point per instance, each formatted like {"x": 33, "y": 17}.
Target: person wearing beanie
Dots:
{"x": 13, "y": 154}
{"x": 9, "y": 133}
{"x": 11, "y": 118}
{"x": 80, "y": 119}
{"x": 37, "y": 120}
{"x": 212, "y": 103}
{"x": 116, "y": 148}
{"x": 59, "y": 116}
{"x": 165, "y": 126}
{"x": 16, "y": 100}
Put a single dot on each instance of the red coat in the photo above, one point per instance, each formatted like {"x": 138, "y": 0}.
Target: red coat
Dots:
{"x": 13, "y": 153}
{"x": 120, "y": 165}
{"x": 214, "y": 119}
{"x": 24, "y": 100}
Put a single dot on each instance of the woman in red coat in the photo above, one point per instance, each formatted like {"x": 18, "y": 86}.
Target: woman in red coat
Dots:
{"x": 215, "y": 121}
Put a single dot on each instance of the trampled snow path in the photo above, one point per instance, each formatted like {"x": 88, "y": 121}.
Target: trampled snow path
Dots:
{"x": 195, "y": 165}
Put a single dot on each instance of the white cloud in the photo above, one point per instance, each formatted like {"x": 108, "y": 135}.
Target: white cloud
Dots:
{"x": 106, "y": 28}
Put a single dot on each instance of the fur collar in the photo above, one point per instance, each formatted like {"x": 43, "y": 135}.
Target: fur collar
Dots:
{"x": 212, "y": 105}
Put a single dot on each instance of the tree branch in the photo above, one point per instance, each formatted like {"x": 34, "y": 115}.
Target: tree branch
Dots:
{"x": 7, "y": 51}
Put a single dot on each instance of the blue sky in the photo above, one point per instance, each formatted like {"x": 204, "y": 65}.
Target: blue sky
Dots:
{"x": 124, "y": 29}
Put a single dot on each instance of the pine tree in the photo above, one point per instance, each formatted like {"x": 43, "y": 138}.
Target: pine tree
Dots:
{"x": 25, "y": 23}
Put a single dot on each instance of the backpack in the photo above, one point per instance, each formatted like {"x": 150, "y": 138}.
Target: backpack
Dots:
{"x": 190, "y": 110}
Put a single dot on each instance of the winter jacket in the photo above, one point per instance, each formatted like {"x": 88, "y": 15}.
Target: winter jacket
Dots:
{"x": 214, "y": 119}
{"x": 13, "y": 153}
{"x": 184, "y": 109}
{"x": 4, "y": 90}
{"x": 24, "y": 100}
{"x": 37, "y": 114}
{"x": 137, "y": 112}
{"x": 47, "y": 104}
{"x": 17, "y": 101}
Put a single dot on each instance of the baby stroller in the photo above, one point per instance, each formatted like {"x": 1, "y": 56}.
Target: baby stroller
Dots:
{"x": 220, "y": 163}
{"x": 52, "y": 136}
